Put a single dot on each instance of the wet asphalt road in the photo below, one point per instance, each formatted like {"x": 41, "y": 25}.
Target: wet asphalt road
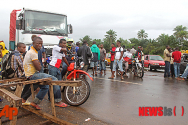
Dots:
{"x": 117, "y": 101}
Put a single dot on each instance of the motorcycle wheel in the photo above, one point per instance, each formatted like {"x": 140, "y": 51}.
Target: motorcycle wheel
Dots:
{"x": 140, "y": 72}
{"x": 81, "y": 95}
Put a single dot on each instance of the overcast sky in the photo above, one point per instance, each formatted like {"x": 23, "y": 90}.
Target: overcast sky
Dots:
{"x": 95, "y": 17}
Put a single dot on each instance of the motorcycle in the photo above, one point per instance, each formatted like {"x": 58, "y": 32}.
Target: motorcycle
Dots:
{"x": 76, "y": 96}
{"x": 134, "y": 66}
{"x": 137, "y": 68}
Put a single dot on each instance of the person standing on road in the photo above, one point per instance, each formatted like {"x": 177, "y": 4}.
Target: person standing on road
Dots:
{"x": 126, "y": 56}
{"x": 118, "y": 60}
{"x": 176, "y": 55}
{"x": 171, "y": 63}
{"x": 133, "y": 51}
{"x": 85, "y": 52}
{"x": 112, "y": 52}
{"x": 102, "y": 60}
{"x": 96, "y": 57}
{"x": 167, "y": 62}
{"x": 142, "y": 58}
{"x": 77, "y": 47}
{"x": 139, "y": 53}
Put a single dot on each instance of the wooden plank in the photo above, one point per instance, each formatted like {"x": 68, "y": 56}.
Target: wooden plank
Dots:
{"x": 44, "y": 82}
{"x": 61, "y": 81}
{"x": 12, "y": 80}
{"x": 47, "y": 122}
{"x": 13, "y": 99}
{"x": 32, "y": 91}
{"x": 36, "y": 81}
{"x": 76, "y": 83}
{"x": 52, "y": 100}
{"x": 26, "y": 82}
{"x": 19, "y": 89}
{"x": 9, "y": 85}
{"x": 47, "y": 116}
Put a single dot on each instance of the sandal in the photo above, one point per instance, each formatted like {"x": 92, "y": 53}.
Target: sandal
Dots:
{"x": 110, "y": 77}
{"x": 122, "y": 78}
{"x": 95, "y": 74}
{"x": 63, "y": 105}
{"x": 180, "y": 78}
{"x": 35, "y": 106}
{"x": 26, "y": 103}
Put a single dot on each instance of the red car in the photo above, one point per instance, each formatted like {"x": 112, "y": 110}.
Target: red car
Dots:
{"x": 154, "y": 62}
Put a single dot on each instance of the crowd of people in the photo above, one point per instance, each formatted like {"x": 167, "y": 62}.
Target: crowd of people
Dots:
{"x": 95, "y": 55}
{"x": 172, "y": 58}
{"x": 30, "y": 64}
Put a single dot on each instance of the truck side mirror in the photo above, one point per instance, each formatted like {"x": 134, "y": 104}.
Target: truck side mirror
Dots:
{"x": 70, "y": 31}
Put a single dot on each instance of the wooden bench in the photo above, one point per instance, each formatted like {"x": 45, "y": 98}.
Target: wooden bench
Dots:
{"x": 16, "y": 101}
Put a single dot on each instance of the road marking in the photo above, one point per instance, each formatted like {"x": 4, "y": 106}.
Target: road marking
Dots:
{"x": 119, "y": 81}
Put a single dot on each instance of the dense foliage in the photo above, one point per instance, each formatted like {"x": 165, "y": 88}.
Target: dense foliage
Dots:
{"x": 151, "y": 46}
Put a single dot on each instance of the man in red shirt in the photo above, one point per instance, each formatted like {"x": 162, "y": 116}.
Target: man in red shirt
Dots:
{"x": 112, "y": 52}
{"x": 177, "y": 59}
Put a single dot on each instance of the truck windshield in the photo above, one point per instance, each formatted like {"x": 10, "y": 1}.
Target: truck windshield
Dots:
{"x": 45, "y": 23}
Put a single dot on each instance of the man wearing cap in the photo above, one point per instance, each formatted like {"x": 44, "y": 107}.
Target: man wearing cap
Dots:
{"x": 139, "y": 53}
{"x": 70, "y": 50}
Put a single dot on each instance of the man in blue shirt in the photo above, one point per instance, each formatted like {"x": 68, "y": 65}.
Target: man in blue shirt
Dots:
{"x": 77, "y": 46}
{"x": 41, "y": 53}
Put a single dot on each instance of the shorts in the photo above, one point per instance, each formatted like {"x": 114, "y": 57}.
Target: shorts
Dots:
{"x": 85, "y": 68}
{"x": 93, "y": 64}
{"x": 102, "y": 65}
{"x": 111, "y": 64}
{"x": 119, "y": 63}
{"x": 126, "y": 65}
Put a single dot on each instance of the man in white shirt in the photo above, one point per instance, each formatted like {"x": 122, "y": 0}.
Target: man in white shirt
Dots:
{"x": 118, "y": 60}
{"x": 133, "y": 51}
{"x": 58, "y": 54}
{"x": 126, "y": 56}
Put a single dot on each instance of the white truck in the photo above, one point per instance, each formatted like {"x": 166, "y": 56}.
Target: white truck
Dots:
{"x": 51, "y": 27}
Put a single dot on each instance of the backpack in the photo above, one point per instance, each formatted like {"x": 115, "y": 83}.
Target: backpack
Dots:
{"x": 7, "y": 71}
{"x": 119, "y": 49}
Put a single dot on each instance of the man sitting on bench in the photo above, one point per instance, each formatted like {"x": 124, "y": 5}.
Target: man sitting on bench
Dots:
{"x": 32, "y": 67}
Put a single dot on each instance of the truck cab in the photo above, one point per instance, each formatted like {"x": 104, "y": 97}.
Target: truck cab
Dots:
{"x": 50, "y": 26}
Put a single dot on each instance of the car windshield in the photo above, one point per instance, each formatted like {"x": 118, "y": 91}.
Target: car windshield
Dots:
{"x": 108, "y": 55}
{"x": 156, "y": 58}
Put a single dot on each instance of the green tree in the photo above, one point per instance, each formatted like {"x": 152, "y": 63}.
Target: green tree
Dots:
{"x": 179, "y": 28}
{"x": 181, "y": 34}
{"x": 164, "y": 40}
{"x": 87, "y": 38}
{"x": 141, "y": 34}
{"x": 111, "y": 36}
{"x": 135, "y": 42}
